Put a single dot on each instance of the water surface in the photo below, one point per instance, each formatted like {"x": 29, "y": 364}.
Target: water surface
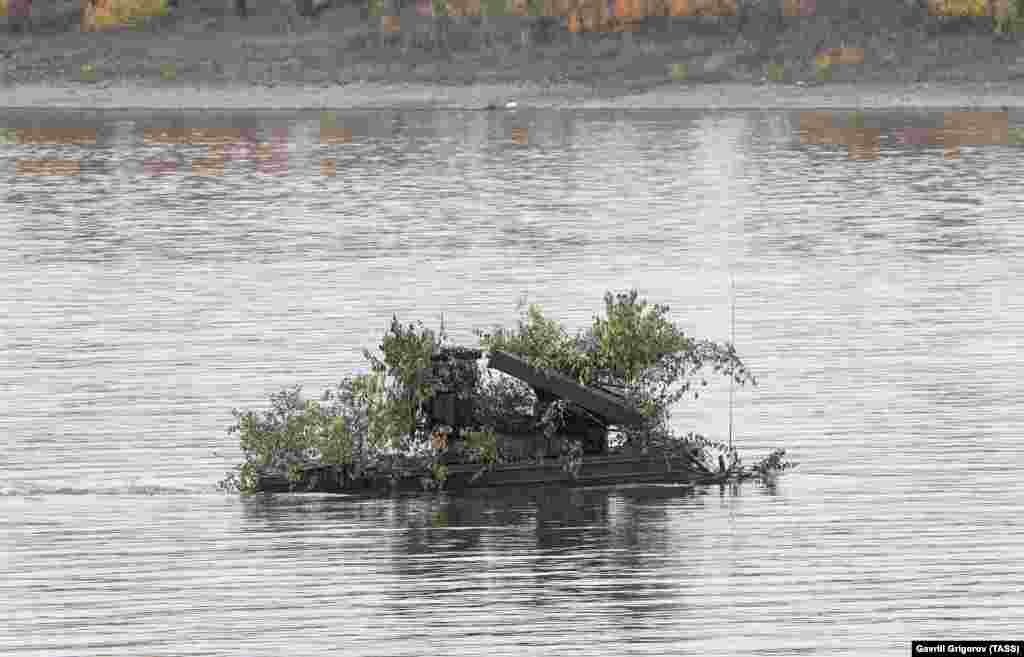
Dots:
{"x": 878, "y": 300}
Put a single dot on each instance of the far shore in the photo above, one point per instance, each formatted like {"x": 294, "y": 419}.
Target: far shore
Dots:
{"x": 368, "y": 96}
{"x": 200, "y": 57}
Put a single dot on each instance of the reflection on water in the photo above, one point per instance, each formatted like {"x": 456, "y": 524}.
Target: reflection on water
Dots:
{"x": 199, "y": 262}
{"x": 201, "y": 188}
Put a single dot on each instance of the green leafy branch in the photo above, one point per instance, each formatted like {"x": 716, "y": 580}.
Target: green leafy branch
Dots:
{"x": 361, "y": 417}
{"x": 635, "y": 348}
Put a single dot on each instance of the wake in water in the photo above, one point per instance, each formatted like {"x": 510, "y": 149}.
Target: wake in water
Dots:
{"x": 132, "y": 487}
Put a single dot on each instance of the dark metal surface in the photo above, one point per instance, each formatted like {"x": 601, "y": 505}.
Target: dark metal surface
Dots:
{"x": 606, "y": 405}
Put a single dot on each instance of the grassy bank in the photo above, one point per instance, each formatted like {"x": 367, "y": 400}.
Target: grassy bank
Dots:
{"x": 205, "y": 44}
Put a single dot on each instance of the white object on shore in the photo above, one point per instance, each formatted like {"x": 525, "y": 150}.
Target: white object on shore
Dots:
{"x": 508, "y": 105}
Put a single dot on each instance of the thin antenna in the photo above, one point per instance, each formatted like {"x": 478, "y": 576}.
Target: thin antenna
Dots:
{"x": 732, "y": 339}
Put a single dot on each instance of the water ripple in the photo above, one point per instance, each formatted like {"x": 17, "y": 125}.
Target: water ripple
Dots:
{"x": 878, "y": 301}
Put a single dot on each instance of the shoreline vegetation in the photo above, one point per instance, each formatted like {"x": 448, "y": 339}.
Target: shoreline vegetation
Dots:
{"x": 383, "y": 425}
{"x": 464, "y": 53}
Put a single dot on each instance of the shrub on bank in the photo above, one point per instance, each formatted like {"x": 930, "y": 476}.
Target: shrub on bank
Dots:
{"x": 1013, "y": 20}
{"x": 99, "y": 15}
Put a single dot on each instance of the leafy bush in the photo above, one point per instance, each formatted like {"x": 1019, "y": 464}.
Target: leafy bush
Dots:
{"x": 394, "y": 409}
{"x": 630, "y": 339}
{"x": 292, "y": 433}
{"x": 679, "y": 72}
{"x": 544, "y": 343}
{"x": 634, "y": 348}
{"x": 483, "y": 443}
{"x": 284, "y": 427}
{"x": 406, "y": 351}
{"x": 356, "y": 421}
{"x": 1014, "y": 22}
{"x": 634, "y": 336}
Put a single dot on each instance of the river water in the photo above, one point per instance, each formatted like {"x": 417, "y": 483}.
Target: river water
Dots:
{"x": 878, "y": 300}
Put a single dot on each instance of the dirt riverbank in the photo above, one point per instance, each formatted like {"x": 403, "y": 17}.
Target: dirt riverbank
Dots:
{"x": 725, "y": 95}
{"x": 202, "y": 56}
